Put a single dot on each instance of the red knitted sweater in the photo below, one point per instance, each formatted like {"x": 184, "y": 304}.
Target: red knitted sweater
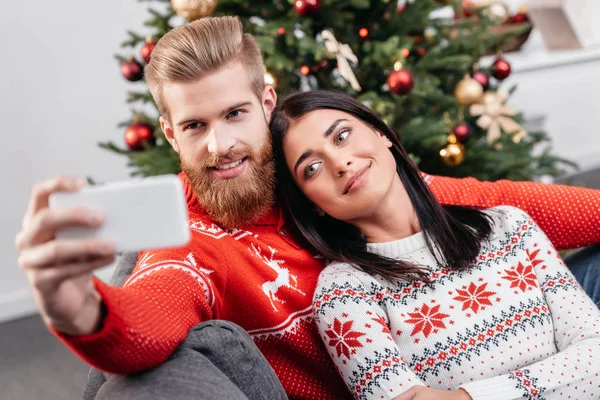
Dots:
{"x": 259, "y": 278}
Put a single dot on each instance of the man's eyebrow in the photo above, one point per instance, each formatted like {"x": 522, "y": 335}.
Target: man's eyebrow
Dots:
{"x": 303, "y": 157}
{"x": 224, "y": 112}
{"x": 333, "y": 126}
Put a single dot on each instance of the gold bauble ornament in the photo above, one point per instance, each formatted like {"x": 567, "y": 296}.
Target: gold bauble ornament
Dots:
{"x": 194, "y": 9}
{"x": 430, "y": 33}
{"x": 453, "y": 154}
{"x": 498, "y": 11}
{"x": 270, "y": 79}
{"x": 468, "y": 91}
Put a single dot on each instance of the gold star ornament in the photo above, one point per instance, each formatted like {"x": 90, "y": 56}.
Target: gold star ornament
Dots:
{"x": 495, "y": 116}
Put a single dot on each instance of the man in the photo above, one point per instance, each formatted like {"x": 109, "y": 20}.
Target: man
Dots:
{"x": 241, "y": 266}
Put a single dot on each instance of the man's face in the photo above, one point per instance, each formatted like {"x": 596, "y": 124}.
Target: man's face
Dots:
{"x": 220, "y": 130}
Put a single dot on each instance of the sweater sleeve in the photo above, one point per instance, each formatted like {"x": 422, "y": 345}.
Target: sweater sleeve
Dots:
{"x": 150, "y": 316}
{"x": 355, "y": 331}
{"x": 572, "y": 373}
{"x": 570, "y": 216}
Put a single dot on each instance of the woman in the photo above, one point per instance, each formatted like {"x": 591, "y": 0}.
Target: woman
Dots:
{"x": 422, "y": 301}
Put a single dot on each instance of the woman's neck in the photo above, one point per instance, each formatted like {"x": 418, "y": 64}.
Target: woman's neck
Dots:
{"x": 393, "y": 218}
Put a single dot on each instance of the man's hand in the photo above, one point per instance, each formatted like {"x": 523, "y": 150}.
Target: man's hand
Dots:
{"x": 425, "y": 393}
{"x": 60, "y": 271}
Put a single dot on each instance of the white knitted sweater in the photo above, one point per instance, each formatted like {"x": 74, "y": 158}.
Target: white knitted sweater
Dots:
{"x": 514, "y": 326}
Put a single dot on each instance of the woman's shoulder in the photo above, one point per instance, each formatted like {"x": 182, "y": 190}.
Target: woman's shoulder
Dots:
{"x": 507, "y": 218}
{"x": 337, "y": 272}
{"x": 507, "y": 213}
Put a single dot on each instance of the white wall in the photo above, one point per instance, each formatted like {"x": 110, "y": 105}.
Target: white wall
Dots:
{"x": 60, "y": 93}
{"x": 567, "y": 96}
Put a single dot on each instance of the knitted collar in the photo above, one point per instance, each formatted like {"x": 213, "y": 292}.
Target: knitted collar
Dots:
{"x": 273, "y": 217}
{"x": 399, "y": 248}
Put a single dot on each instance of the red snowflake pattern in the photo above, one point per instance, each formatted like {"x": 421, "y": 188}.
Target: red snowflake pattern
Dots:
{"x": 474, "y": 297}
{"x": 521, "y": 277}
{"x": 381, "y": 321}
{"x": 343, "y": 338}
{"x": 533, "y": 258}
{"x": 426, "y": 319}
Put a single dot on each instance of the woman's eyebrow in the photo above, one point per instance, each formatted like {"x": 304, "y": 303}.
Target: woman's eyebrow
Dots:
{"x": 303, "y": 157}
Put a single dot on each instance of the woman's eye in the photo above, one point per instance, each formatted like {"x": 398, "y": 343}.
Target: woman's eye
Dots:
{"x": 343, "y": 135}
{"x": 311, "y": 169}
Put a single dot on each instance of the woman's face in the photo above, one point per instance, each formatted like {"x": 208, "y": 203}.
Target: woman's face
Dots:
{"x": 341, "y": 164}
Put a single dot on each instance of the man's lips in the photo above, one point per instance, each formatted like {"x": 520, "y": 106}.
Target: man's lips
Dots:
{"x": 229, "y": 169}
{"x": 355, "y": 177}
{"x": 228, "y": 164}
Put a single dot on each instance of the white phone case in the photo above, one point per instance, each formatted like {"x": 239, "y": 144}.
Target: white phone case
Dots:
{"x": 139, "y": 214}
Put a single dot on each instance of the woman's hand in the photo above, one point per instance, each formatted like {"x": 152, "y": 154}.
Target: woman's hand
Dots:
{"x": 425, "y": 393}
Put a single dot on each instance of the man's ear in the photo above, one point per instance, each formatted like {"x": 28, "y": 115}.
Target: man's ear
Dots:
{"x": 169, "y": 134}
{"x": 269, "y": 101}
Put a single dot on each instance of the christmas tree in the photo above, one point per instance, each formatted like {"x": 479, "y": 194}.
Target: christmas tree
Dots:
{"x": 421, "y": 73}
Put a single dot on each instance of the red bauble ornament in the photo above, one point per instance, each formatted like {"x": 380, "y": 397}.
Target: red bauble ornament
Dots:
{"x": 281, "y": 31}
{"x": 400, "y": 6}
{"x": 462, "y": 132}
{"x": 500, "y": 69}
{"x": 482, "y": 78}
{"x": 305, "y": 8}
{"x": 519, "y": 18}
{"x": 146, "y": 50}
{"x": 363, "y": 32}
{"x": 132, "y": 70}
{"x": 137, "y": 134}
{"x": 467, "y": 7}
{"x": 401, "y": 82}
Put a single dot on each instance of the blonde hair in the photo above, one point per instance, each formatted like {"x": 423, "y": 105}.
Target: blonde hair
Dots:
{"x": 199, "y": 48}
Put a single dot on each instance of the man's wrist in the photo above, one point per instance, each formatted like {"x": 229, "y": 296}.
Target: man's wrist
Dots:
{"x": 89, "y": 321}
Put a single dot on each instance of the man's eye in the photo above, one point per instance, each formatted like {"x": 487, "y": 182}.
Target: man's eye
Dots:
{"x": 311, "y": 169}
{"x": 343, "y": 135}
{"x": 194, "y": 125}
{"x": 235, "y": 113}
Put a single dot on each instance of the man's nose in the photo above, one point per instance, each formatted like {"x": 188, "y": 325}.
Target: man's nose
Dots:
{"x": 220, "y": 143}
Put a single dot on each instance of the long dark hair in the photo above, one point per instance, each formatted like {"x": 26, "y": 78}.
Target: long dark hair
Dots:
{"x": 457, "y": 232}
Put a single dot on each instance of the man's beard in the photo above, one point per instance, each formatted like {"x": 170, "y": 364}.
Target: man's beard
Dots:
{"x": 237, "y": 201}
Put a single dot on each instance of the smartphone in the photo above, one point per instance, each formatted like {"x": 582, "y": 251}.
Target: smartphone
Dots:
{"x": 139, "y": 214}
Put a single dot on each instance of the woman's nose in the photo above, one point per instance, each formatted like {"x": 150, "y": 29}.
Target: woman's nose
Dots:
{"x": 343, "y": 167}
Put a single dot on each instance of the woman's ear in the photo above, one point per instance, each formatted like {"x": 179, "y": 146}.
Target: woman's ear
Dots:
{"x": 319, "y": 212}
{"x": 386, "y": 140}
